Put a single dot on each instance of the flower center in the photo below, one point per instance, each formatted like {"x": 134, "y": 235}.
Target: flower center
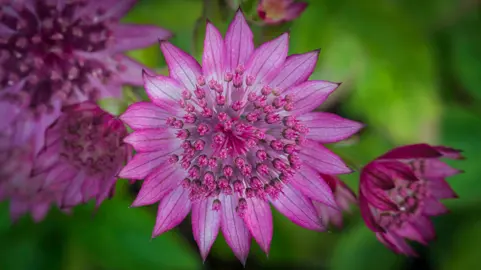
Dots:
{"x": 92, "y": 141}
{"x": 408, "y": 196}
{"x": 236, "y": 141}
{"x": 39, "y": 52}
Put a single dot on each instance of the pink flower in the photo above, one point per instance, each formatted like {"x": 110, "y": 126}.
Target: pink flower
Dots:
{"x": 226, "y": 138}
{"x": 400, "y": 190}
{"x": 55, "y": 53}
{"x": 344, "y": 199}
{"x": 278, "y": 11}
{"x": 82, "y": 156}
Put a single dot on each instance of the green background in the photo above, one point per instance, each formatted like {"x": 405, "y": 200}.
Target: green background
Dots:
{"x": 411, "y": 70}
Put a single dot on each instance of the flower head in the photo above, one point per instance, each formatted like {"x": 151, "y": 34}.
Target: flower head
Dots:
{"x": 344, "y": 199}
{"x": 226, "y": 138}
{"x": 400, "y": 190}
{"x": 278, "y": 11}
{"x": 82, "y": 156}
{"x": 55, "y": 53}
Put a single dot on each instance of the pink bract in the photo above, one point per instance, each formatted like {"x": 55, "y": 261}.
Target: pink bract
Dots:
{"x": 80, "y": 160}
{"x": 227, "y": 138}
{"x": 278, "y": 11}
{"x": 400, "y": 190}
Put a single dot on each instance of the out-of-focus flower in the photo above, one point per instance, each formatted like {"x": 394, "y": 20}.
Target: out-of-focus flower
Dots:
{"x": 400, "y": 190}
{"x": 80, "y": 160}
{"x": 278, "y": 11}
{"x": 226, "y": 138}
{"x": 344, "y": 199}
{"x": 59, "y": 52}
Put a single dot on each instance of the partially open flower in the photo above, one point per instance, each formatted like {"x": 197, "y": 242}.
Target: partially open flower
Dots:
{"x": 226, "y": 138}
{"x": 344, "y": 199}
{"x": 82, "y": 156}
{"x": 55, "y": 53}
{"x": 278, "y": 11}
{"x": 400, "y": 190}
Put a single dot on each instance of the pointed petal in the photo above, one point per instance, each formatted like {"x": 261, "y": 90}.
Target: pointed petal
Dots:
{"x": 440, "y": 189}
{"x": 17, "y": 209}
{"x": 135, "y": 36}
{"x": 328, "y": 127}
{"x": 425, "y": 228}
{"x": 73, "y": 194}
{"x": 449, "y": 152}
{"x": 182, "y": 67}
{"x": 127, "y": 70}
{"x": 311, "y": 184}
{"x": 172, "y": 210}
{"x": 114, "y": 9}
{"x": 412, "y": 151}
{"x": 433, "y": 168}
{"x": 268, "y": 59}
{"x": 367, "y": 215}
{"x": 149, "y": 140}
{"x": 310, "y": 95}
{"x": 9, "y": 112}
{"x": 296, "y": 207}
{"x": 294, "y": 10}
{"x": 205, "y": 224}
{"x": 375, "y": 195}
{"x": 396, "y": 243}
{"x": 145, "y": 115}
{"x": 234, "y": 229}
{"x": 328, "y": 214}
{"x": 39, "y": 211}
{"x": 432, "y": 207}
{"x": 296, "y": 69}
{"x": 213, "y": 57}
{"x": 322, "y": 159}
{"x": 163, "y": 91}
{"x": 142, "y": 164}
{"x": 157, "y": 184}
{"x": 239, "y": 42}
{"x": 258, "y": 218}
{"x": 374, "y": 177}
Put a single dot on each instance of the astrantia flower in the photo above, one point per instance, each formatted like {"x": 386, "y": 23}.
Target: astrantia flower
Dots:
{"x": 82, "y": 156}
{"x": 278, "y": 11}
{"x": 59, "y": 52}
{"x": 344, "y": 199}
{"x": 400, "y": 190}
{"x": 226, "y": 138}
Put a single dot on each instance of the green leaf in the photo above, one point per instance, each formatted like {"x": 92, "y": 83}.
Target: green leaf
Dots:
{"x": 359, "y": 249}
{"x": 118, "y": 237}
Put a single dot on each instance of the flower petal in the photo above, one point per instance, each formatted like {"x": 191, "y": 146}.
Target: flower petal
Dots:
{"x": 213, "y": 57}
{"x": 311, "y": 184}
{"x": 163, "y": 91}
{"x": 159, "y": 183}
{"x": 449, "y": 152}
{"x": 268, "y": 59}
{"x": 149, "y": 140}
{"x": 239, "y": 42}
{"x": 296, "y": 69}
{"x": 172, "y": 210}
{"x": 367, "y": 215}
{"x": 145, "y": 115}
{"x": 134, "y": 36}
{"x": 234, "y": 229}
{"x": 440, "y": 189}
{"x": 205, "y": 224}
{"x": 432, "y": 207}
{"x": 433, "y": 168}
{"x": 412, "y": 151}
{"x": 73, "y": 195}
{"x": 39, "y": 211}
{"x": 182, "y": 67}
{"x": 142, "y": 164}
{"x": 296, "y": 207}
{"x": 328, "y": 214}
{"x": 258, "y": 218}
{"x": 328, "y": 127}
{"x": 294, "y": 10}
{"x": 322, "y": 159}
{"x": 309, "y": 95}
{"x": 396, "y": 243}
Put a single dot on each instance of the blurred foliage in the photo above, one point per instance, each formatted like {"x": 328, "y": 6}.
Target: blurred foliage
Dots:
{"x": 410, "y": 71}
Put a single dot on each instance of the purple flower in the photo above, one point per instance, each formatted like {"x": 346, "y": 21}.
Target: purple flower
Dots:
{"x": 58, "y": 52}
{"x": 344, "y": 199}
{"x": 226, "y": 138}
{"x": 400, "y": 190}
{"x": 80, "y": 160}
{"x": 278, "y": 11}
